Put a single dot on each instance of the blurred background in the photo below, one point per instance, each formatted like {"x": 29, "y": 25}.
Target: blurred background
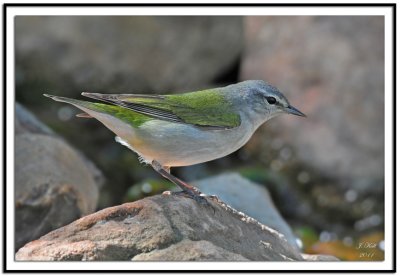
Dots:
{"x": 325, "y": 173}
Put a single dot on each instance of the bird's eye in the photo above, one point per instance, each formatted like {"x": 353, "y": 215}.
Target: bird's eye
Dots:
{"x": 271, "y": 100}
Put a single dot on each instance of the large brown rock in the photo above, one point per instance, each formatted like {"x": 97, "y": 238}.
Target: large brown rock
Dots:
{"x": 54, "y": 184}
{"x": 331, "y": 68}
{"x": 164, "y": 227}
{"x": 188, "y": 250}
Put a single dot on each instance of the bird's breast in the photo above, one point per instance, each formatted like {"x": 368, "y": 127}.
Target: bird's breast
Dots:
{"x": 175, "y": 144}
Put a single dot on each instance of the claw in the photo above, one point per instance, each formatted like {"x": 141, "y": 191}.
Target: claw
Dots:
{"x": 199, "y": 198}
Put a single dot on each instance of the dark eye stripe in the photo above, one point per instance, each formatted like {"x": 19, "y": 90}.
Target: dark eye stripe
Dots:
{"x": 271, "y": 100}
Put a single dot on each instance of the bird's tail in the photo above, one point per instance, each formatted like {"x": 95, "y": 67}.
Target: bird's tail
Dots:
{"x": 97, "y": 111}
{"x": 68, "y": 100}
{"x": 83, "y": 105}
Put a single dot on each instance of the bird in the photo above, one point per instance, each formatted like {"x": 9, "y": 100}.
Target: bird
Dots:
{"x": 184, "y": 129}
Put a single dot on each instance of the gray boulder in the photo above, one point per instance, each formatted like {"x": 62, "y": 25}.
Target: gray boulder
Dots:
{"x": 54, "y": 184}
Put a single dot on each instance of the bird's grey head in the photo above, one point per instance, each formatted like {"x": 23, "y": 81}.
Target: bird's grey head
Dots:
{"x": 264, "y": 99}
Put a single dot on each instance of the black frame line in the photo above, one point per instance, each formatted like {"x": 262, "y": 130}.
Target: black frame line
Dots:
{"x": 394, "y": 85}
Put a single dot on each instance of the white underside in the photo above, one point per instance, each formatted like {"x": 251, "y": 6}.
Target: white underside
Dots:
{"x": 175, "y": 144}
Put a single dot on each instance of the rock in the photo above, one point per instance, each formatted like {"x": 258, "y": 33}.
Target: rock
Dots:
{"x": 188, "y": 250}
{"x": 54, "y": 184}
{"x": 148, "y": 54}
{"x": 26, "y": 122}
{"x": 324, "y": 258}
{"x": 331, "y": 68}
{"x": 160, "y": 228}
{"x": 248, "y": 197}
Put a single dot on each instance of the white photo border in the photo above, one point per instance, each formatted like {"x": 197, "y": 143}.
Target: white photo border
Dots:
{"x": 11, "y": 10}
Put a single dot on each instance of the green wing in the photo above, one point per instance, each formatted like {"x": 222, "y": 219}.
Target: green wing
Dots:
{"x": 207, "y": 108}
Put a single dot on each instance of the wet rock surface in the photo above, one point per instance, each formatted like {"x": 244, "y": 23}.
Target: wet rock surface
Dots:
{"x": 164, "y": 227}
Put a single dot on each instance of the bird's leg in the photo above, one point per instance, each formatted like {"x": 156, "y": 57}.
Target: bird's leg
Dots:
{"x": 184, "y": 192}
{"x": 191, "y": 191}
{"x": 164, "y": 171}
{"x": 167, "y": 169}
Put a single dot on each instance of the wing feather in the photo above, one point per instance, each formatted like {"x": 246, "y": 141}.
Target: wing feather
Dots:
{"x": 175, "y": 108}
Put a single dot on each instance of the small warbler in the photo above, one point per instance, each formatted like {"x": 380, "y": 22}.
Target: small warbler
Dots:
{"x": 185, "y": 129}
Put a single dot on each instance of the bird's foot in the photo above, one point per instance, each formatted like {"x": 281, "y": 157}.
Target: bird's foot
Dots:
{"x": 214, "y": 197}
{"x": 187, "y": 190}
{"x": 198, "y": 197}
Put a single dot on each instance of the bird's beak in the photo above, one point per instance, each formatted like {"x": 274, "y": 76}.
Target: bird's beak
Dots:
{"x": 292, "y": 110}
